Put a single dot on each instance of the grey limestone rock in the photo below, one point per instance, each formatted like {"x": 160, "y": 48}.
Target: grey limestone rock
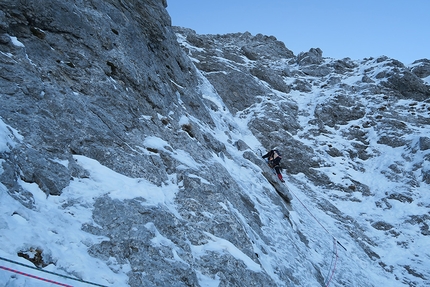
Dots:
{"x": 421, "y": 68}
{"x": 98, "y": 78}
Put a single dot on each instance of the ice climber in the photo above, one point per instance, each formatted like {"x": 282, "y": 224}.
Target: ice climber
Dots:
{"x": 274, "y": 158}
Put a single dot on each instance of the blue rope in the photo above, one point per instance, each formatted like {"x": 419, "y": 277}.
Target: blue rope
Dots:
{"x": 49, "y": 272}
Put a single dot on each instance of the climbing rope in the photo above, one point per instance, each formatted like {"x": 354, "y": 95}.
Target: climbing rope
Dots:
{"x": 34, "y": 277}
{"x": 316, "y": 219}
{"x": 41, "y": 270}
{"x": 331, "y": 271}
{"x": 335, "y": 241}
{"x": 335, "y": 255}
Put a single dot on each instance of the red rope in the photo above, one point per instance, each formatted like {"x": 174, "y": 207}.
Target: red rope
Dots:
{"x": 35, "y": 277}
{"x": 308, "y": 210}
{"x": 334, "y": 239}
{"x": 334, "y": 267}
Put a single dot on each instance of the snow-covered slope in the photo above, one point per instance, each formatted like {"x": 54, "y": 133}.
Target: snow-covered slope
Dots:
{"x": 383, "y": 242}
{"x": 370, "y": 143}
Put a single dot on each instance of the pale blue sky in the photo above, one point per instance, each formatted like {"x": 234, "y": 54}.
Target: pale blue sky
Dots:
{"x": 358, "y": 29}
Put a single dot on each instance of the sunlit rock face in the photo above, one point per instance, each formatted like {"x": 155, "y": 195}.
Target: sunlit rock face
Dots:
{"x": 144, "y": 142}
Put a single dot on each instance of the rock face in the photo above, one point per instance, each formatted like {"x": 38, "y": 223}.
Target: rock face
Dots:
{"x": 73, "y": 61}
{"x": 101, "y": 78}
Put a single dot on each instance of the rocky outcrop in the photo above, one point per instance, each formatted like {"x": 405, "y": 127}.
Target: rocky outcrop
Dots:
{"x": 71, "y": 62}
{"x": 421, "y": 68}
{"x": 374, "y": 104}
{"x": 98, "y": 79}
